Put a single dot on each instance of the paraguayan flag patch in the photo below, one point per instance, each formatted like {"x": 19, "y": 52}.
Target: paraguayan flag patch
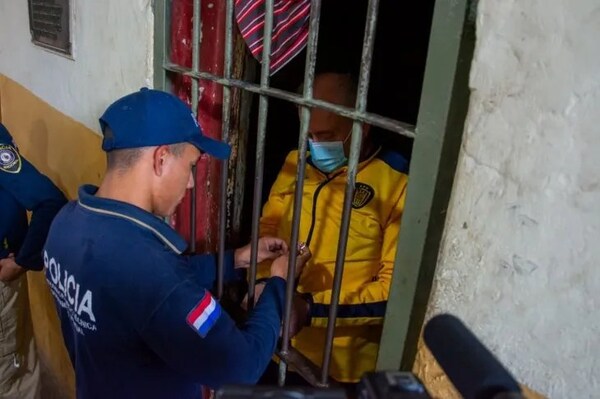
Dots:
{"x": 204, "y": 315}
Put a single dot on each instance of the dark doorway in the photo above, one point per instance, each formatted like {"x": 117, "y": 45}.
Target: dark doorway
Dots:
{"x": 395, "y": 88}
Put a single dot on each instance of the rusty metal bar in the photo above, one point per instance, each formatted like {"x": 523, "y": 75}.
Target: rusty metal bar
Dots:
{"x": 226, "y": 118}
{"x": 195, "y": 92}
{"x": 309, "y": 77}
{"x": 263, "y": 109}
{"x": 390, "y": 124}
{"x": 355, "y": 146}
{"x": 161, "y": 27}
{"x": 304, "y": 367}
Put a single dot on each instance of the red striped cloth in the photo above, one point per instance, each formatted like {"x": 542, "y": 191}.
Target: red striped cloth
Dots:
{"x": 290, "y": 28}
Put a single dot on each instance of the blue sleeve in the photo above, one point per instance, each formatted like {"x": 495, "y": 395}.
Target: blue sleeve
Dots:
{"x": 13, "y": 224}
{"x": 194, "y": 335}
{"x": 204, "y": 269}
{"x": 36, "y": 193}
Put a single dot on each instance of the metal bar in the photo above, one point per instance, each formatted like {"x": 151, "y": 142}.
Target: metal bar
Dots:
{"x": 392, "y": 125}
{"x": 195, "y": 91}
{"x": 247, "y": 71}
{"x": 193, "y": 211}
{"x": 263, "y": 109}
{"x": 195, "y": 54}
{"x": 226, "y": 117}
{"x": 309, "y": 77}
{"x": 442, "y": 114}
{"x": 160, "y": 44}
{"x": 355, "y": 146}
{"x": 304, "y": 367}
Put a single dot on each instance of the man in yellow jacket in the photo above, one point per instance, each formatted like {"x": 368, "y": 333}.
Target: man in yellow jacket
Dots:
{"x": 377, "y": 205}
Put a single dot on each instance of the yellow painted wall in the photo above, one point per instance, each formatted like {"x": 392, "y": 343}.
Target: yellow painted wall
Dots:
{"x": 69, "y": 153}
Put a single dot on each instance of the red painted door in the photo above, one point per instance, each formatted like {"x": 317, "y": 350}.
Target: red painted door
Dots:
{"x": 209, "y": 112}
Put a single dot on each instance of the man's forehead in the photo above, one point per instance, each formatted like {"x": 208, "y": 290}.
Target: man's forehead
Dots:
{"x": 322, "y": 119}
{"x": 330, "y": 94}
{"x": 333, "y": 88}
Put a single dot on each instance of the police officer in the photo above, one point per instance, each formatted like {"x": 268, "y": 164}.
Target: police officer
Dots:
{"x": 137, "y": 315}
{"x": 22, "y": 188}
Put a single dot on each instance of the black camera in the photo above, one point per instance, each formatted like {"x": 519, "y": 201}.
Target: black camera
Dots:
{"x": 470, "y": 366}
{"x": 288, "y": 392}
{"x": 391, "y": 385}
{"x": 375, "y": 385}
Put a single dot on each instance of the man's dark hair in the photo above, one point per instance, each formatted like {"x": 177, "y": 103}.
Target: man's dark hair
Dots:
{"x": 349, "y": 85}
{"x": 123, "y": 159}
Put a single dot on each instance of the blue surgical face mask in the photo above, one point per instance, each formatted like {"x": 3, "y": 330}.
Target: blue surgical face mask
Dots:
{"x": 328, "y": 156}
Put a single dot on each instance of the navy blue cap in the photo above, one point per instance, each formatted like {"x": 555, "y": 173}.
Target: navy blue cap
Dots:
{"x": 151, "y": 118}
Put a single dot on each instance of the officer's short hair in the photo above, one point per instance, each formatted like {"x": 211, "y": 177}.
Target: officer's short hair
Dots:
{"x": 124, "y": 159}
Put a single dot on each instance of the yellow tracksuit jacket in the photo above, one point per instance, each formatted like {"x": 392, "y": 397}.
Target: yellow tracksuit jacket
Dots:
{"x": 377, "y": 205}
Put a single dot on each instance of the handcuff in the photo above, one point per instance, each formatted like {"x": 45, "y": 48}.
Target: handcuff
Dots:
{"x": 301, "y": 248}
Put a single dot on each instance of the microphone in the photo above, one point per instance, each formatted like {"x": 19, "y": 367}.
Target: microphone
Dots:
{"x": 471, "y": 367}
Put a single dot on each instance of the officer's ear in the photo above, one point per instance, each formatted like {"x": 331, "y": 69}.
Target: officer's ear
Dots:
{"x": 160, "y": 155}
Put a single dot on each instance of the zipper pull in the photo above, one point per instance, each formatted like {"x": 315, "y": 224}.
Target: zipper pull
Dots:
{"x": 16, "y": 361}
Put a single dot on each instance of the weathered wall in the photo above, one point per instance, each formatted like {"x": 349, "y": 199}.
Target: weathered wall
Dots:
{"x": 112, "y": 43}
{"x": 519, "y": 261}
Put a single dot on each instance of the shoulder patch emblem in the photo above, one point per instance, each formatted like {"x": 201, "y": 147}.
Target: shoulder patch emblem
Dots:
{"x": 363, "y": 194}
{"x": 10, "y": 160}
{"x": 204, "y": 315}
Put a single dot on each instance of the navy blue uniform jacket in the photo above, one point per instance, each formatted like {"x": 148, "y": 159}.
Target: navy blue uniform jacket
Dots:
{"x": 137, "y": 317}
{"x": 23, "y": 188}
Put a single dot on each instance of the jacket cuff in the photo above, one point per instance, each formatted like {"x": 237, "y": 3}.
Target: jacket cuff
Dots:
{"x": 231, "y": 273}
{"x": 32, "y": 262}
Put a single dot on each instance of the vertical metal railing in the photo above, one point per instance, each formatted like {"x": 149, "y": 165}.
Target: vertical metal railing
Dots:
{"x": 263, "y": 108}
{"x": 355, "y": 147}
{"x": 306, "y": 102}
{"x": 161, "y": 23}
{"x": 443, "y": 108}
{"x": 307, "y": 92}
{"x": 225, "y": 137}
{"x": 196, "y": 39}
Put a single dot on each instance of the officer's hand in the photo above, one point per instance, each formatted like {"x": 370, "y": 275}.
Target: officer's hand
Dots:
{"x": 9, "y": 270}
{"x": 279, "y": 267}
{"x": 268, "y": 248}
{"x": 271, "y": 248}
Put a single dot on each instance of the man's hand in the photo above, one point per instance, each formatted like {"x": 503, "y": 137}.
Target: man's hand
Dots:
{"x": 9, "y": 270}
{"x": 268, "y": 248}
{"x": 300, "y": 310}
{"x": 258, "y": 290}
{"x": 279, "y": 267}
{"x": 300, "y": 315}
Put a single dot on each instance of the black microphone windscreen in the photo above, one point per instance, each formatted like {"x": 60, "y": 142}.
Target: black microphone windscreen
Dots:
{"x": 471, "y": 367}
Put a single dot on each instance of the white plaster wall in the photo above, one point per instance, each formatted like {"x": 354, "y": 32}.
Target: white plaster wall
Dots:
{"x": 520, "y": 261}
{"x": 112, "y": 41}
